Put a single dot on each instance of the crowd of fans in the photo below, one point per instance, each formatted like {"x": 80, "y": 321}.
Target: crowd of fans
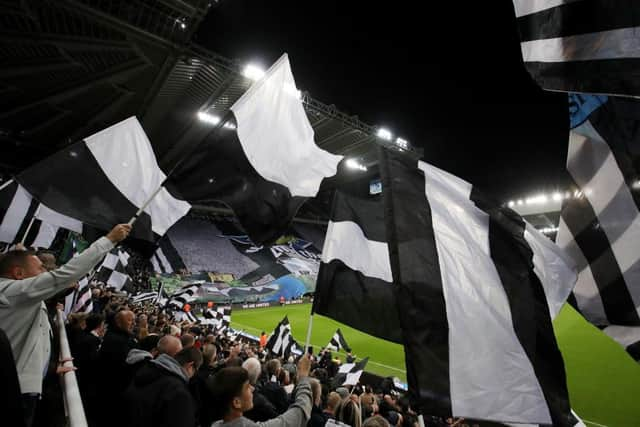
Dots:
{"x": 136, "y": 366}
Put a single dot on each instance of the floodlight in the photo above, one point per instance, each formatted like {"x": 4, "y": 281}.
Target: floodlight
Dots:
{"x": 253, "y": 72}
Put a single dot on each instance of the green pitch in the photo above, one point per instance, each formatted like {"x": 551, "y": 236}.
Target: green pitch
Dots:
{"x": 604, "y": 383}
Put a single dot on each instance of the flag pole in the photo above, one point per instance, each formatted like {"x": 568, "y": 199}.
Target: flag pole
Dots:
{"x": 33, "y": 218}
{"x": 308, "y": 341}
{"x": 217, "y": 128}
{"x": 6, "y": 184}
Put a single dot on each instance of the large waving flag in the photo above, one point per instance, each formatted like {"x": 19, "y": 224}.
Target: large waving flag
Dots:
{"x": 264, "y": 165}
{"x": 338, "y": 342}
{"x": 581, "y": 46}
{"x": 601, "y": 229}
{"x": 104, "y": 180}
{"x": 476, "y": 288}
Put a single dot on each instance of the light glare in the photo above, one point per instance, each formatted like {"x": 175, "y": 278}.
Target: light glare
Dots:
{"x": 208, "y": 118}
{"x": 253, "y": 72}
{"x": 385, "y": 134}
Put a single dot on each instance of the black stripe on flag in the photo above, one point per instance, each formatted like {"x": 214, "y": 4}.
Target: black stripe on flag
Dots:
{"x": 345, "y": 293}
{"x": 411, "y": 237}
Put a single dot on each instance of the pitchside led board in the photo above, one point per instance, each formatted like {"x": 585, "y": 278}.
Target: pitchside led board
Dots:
{"x": 375, "y": 187}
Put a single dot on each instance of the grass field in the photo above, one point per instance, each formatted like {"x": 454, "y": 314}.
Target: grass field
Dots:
{"x": 604, "y": 382}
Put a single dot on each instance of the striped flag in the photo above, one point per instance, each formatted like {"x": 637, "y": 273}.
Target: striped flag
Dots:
{"x": 601, "y": 229}
{"x": 181, "y": 316}
{"x": 186, "y": 294}
{"x": 581, "y": 46}
{"x": 355, "y": 271}
{"x": 259, "y": 165}
{"x": 115, "y": 172}
{"x": 21, "y": 216}
{"x": 475, "y": 288}
{"x": 144, "y": 296}
{"x": 338, "y": 342}
{"x": 281, "y": 342}
{"x": 113, "y": 271}
{"x": 83, "y": 302}
{"x": 220, "y": 317}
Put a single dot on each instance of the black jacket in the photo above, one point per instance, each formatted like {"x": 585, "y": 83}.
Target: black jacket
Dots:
{"x": 114, "y": 371}
{"x": 159, "y": 396}
{"x": 85, "y": 358}
{"x": 275, "y": 394}
{"x": 262, "y": 410}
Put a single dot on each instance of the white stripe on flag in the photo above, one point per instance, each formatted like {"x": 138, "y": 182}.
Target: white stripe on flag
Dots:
{"x": 46, "y": 233}
{"x": 110, "y": 261}
{"x": 135, "y": 171}
{"x": 369, "y": 257}
{"x": 483, "y": 346}
{"x": 553, "y": 275}
{"x": 117, "y": 279}
{"x": 154, "y": 263}
{"x": 52, "y": 217}
{"x": 276, "y": 135}
{"x": 623, "y": 335}
{"x": 621, "y": 43}
{"x": 165, "y": 262}
{"x": 15, "y": 215}
{"x": 527, "y": 7}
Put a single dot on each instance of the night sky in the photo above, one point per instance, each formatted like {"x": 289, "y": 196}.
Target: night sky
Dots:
{"x": 446, "y": 76}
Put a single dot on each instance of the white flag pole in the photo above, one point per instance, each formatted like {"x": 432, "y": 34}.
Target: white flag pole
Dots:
{"x": 144, "y": 206}
{"x": 6, "y": 184}
{"x": 308, "y": 341}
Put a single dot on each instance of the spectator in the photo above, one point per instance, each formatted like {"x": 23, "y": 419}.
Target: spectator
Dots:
{"x": 348, "y": 412}
{"x": 117, "y": 343}
{"x": 187, "y": 340}
{"x": 318, "y": 419}
{"x": 234, "y": 393}
{"x": 159, "y": 394}
{"x": 169, "y": 345}
{"x": 272, "y": 389}
{"x": 198, "y": 385}
{"x": 263, "y": 340}
{"x": 24, "y": 285}
{"x": 86, "y": 360}
{"x": 147, "y": 350}
{"x": 262, "y": 410}
{"x": 375, "y": 421}
{"x": 333, "y": 400}
{"x": 10, "y": 395}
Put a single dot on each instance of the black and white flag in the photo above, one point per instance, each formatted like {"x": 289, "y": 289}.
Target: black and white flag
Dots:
{"x": 338, "y": 342}
{"x": 265, "y": 165}
{"x": 23, "y": 217}
{"x": 355, "y": 277}
{"x": 220, "y": 317}
{"x": 476, "y": 288}
{"x": 600, "y": 229}
{"x": 144, "y": 297}
{"x": 281, "y": 341}
{"x": 188, "y": 293}
{"x": 113, "y": 271}
{"x": 104, "y": 180}
{"x": 82, "y": 300}
{"x": 182, "y": 316}
{"x": 352, "y": 372}
{"x": 581, "y": 46}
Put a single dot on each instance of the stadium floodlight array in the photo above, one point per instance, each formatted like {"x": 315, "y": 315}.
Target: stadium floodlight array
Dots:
{"x": 542, "y": 198}
{"x": 385, "y": 134}
{"x": 253, "y": 72}
{"x": 353, "y": 164}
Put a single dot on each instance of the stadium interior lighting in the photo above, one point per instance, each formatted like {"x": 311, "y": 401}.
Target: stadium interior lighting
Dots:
{"x": 353, "y": 164}
{"x": 636, "y": 185}
{"x": 511, "y": 203}
{"x": 208, "y": 118}
{"x": 253, "y": 72}
{"x": 549, "y": 230}
{"x": 402, "y": 143}
{"x": 556, "y": 197}
{"x": 520, "y": 202}
{"x": 229, "y": 125}
{"x": 385, "y": 134}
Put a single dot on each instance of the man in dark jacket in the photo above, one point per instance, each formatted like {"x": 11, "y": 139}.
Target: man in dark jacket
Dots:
{"x": 262, "y": 409}
{"x": 272, "y": 389}
{"x": 114, "y": 369}
{"x": 159, "y": 395}
{"x": 86, "y": 360}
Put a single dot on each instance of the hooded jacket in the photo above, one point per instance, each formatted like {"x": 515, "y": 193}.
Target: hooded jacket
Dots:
{"x": 23, "y": 315}
{"x": 159, "y": 396}
{"x": 297, "y": 415}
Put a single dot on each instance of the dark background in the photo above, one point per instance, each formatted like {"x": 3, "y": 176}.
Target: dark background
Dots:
{"x": 446, "y": 76}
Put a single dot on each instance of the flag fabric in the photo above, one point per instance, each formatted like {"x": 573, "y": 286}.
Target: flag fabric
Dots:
{"x": 354, "y": 279}
{"x": 104, "y": 179}
{"x": 351, "y": 372}
{"x": 186, "y": 294}
{"x": 281, "y": 341}
{"x": 338, "y": 342}
{"x": 476, "y": 288}
{"x": 581, "y": 46}
{"x": 83, "y": 302}
{"x": 600, "y": 229}
{"x": 21, "y": 216}
{"x": 181, "y": 316}
{"x": 113, "y": 271}
{"x": 144, "y": 297}
{"x": 166, "y": 259}
{"x": 220, "y": 317}
{"x": 265, "y": 165}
